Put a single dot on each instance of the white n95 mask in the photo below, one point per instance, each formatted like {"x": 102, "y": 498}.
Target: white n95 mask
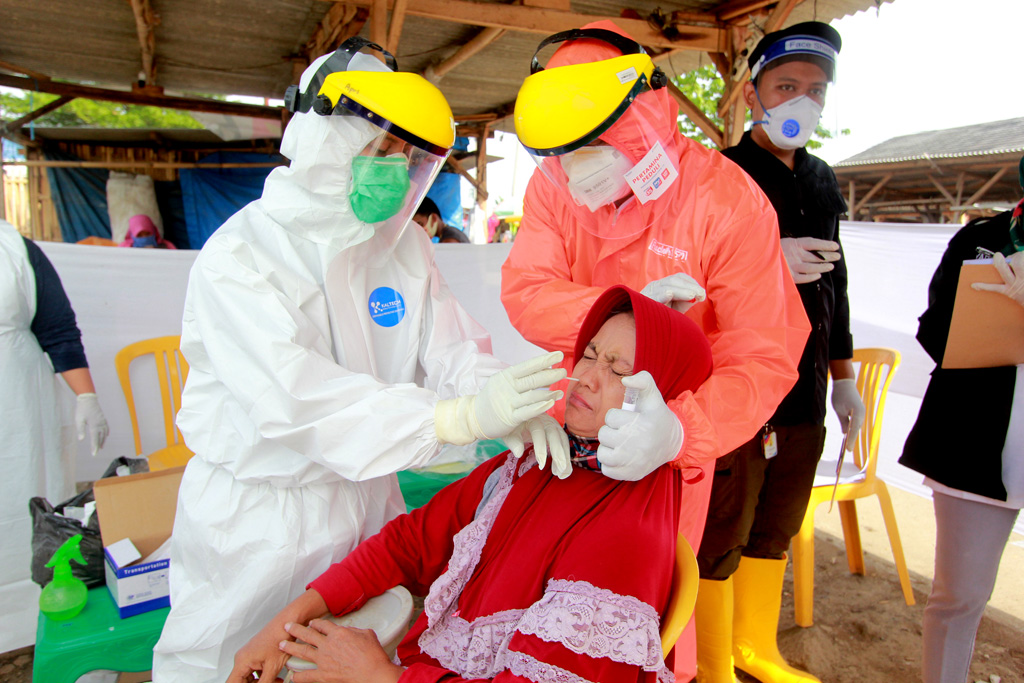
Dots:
{"x": 789, "y": 125}
{"x": 596, "y": 175}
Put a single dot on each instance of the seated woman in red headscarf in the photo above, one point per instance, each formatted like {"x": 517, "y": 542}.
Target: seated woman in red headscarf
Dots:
{"x": 142, "y": 232}
{"x": 527, "y": 577}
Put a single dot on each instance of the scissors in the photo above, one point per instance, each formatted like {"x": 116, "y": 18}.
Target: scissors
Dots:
{"x": 839, "y": 466}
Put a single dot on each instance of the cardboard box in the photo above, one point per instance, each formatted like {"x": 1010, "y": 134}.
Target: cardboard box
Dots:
{"x": 138, "y": 507}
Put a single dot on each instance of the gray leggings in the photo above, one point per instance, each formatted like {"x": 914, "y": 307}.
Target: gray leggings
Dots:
{"x": 970, "y": 538}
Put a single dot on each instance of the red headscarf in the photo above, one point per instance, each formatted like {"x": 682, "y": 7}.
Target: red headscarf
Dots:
{"x": 143, "y": 223}
{"x": 669, "y": 345}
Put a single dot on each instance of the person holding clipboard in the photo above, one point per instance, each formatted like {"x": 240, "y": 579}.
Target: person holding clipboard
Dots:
{"x": 968, "y": 441}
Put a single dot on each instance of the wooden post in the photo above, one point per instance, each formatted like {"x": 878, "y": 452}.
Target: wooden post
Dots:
{"x": 853, "y": 195}
{"x": 481, "y": 173}
{"x": 3, "y": 187}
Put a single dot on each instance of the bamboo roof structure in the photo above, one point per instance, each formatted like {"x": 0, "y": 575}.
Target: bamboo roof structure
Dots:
{"x": 177, "y": 54}
{"x": 936, "y": 176}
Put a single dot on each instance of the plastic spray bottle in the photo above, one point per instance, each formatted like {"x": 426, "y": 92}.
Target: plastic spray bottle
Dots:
{"x": 65, "y": 596}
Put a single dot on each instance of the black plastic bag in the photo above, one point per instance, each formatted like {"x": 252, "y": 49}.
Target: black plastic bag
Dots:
{"x": 50, "y": 530}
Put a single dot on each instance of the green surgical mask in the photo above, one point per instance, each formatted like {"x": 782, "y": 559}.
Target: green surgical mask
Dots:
{"x": 379, "y": 187}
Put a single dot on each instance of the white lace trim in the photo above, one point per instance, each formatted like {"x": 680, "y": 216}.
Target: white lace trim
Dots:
{"x": 583, "y": 618}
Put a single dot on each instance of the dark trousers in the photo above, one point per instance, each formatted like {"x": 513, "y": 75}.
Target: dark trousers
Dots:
{"x": 758, "y": 504}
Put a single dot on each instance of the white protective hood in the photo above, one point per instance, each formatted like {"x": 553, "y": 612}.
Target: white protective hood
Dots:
{"x": 37, "y": 457}
{"x": 317, "y": 351}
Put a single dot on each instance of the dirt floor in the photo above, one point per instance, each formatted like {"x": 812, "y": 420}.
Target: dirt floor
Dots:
{"x": 863, "y": 630}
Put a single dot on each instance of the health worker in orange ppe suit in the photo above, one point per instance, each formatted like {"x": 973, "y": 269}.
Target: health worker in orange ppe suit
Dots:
{"x": 621, "y": 197}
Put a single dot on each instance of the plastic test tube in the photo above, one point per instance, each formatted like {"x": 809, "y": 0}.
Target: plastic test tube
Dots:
{"x": 630, "y": 399}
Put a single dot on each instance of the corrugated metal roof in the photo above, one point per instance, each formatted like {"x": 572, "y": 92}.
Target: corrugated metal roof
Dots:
{"x": 241, "y": 47}
{"x": 996, "y": 137}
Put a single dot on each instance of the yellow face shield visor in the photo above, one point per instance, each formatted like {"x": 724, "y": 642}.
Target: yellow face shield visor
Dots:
{"x": 401, "y": 103}
{"x": 562, "y": 109}
{"x": 404, "y": 104}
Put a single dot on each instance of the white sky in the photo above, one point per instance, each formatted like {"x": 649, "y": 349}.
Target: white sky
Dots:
{"x": 912, "y": 66}
{"x": 919, "y": 65}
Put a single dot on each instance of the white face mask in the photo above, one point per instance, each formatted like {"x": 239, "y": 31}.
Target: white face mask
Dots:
{"x": 596, "y": 175}
{"x": 790, "y": 124}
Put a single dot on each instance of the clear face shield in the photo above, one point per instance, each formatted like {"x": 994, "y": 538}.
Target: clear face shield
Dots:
{"x": 409, "y": 120}
{"x": 390, "y": 177}
{"x": 616, "y": 183}
{"x": 601, "y": 132}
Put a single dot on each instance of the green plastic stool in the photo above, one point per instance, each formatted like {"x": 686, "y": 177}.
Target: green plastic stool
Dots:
{"x": 95, "y": 639}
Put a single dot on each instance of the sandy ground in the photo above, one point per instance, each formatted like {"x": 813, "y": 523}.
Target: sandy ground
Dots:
{"x": 863, "y": 630}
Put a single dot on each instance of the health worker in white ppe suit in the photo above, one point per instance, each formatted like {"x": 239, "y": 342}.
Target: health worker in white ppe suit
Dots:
{"x": 325, "y": 354}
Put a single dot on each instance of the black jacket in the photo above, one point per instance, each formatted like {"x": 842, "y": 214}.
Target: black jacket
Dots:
{"x": 961, "y": 428}
{"x": 808, "y": 202}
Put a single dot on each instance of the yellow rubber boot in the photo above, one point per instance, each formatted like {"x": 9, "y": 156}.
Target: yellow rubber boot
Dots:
{"x": 713, "y": 619}
{"x": 757, "y": 594}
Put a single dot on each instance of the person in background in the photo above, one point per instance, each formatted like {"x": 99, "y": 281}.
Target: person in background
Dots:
{"x": 38, "y": 337}
{"x": 620, "y": 196}
{"x": 325, "y": 354}
{"x": 977, "y": 414}
{"x": 142, "y": 232}
{"x": 428, "y": 217}
{"x": 761, "y": 489}
{"x": 527, "y": 577}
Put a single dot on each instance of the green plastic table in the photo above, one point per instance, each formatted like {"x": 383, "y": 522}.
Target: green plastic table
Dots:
{"x": 97, "y": 638}
{"x": 419, "y": 486}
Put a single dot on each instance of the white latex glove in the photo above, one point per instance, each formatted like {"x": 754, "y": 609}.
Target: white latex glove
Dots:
{"x": 1013, "y": 275}
{"x": 804, "y": 265}
{"x": 89, "y": 416}
{"x": 547, "y": 437}
{"x": 678, "y": 290}
{"x": 635, "y": 443}
{"x": 849, "y": 408}
{"x": 506, "y": 400}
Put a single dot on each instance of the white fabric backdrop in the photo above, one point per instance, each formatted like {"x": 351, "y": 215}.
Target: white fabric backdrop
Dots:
{"x": 123, "y": 295}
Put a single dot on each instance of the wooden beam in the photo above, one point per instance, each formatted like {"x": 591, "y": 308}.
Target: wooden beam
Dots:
{"x": 940, "y": 188}
{"x": 775, "y": 21}
{"x": 721, "y": 62}
{"x": 379, "y": 21}
{"x": 17, "y": 123}
{"x": 546, "y": 21}
{"x": 478, "y": 42}
{"x": 481, "y": 169}
{"x": 146, "y": 21}
{"x": 191, "y": 104}
{"x": 699, "y": 118}
{"x": 461, "y": 170}
{"x": 989, "y": 183}
{"x": 22, "y": 70}
{"x": 851, "y": 203}
{"x": 548, "y": 4}
{"x": 739, "y": 8}
{"x": 46, "y": 163}
{"x": 395, "y": 28}
{"x": 871, "y": 193}
{"x": 338, "y": 24}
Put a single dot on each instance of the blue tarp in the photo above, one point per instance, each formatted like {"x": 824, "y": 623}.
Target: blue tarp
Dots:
{"x": 447, "y": 194}
{"x": 211, "y": 196}
{"x": 80, "y": 198}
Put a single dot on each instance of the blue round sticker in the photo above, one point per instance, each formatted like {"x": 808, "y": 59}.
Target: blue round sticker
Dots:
{"x": 790, "y": 128}
{"x": 387, "y": 307}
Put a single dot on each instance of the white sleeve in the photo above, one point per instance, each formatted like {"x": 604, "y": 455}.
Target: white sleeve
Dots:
{"x": 266, "y": 396}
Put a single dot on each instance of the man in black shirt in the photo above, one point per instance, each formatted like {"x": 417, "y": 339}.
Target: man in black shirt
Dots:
{"x": 761, "y": 489}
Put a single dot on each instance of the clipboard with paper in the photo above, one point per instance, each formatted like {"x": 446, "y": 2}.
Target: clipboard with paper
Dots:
{"x": 987, "y": 328}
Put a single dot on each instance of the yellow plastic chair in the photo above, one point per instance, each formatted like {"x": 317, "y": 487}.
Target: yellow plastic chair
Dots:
{"x": 684, "y": 596}
{"x": 171, "y": 371}
{"x": 857, "y": 480}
